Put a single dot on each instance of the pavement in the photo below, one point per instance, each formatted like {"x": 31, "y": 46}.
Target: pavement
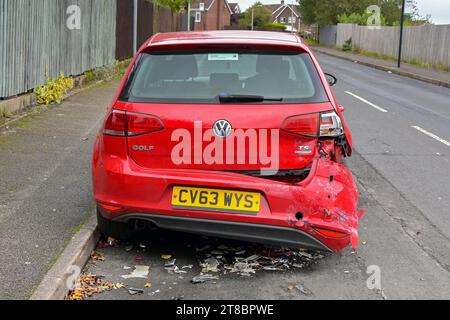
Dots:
{"x": 45, "y": 186}
{"x": 440, "y": 78}
{"x": 402, "y": 173}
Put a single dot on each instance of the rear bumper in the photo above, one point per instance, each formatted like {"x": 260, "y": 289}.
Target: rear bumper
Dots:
{"x": 251, "y": 232}
{"x": 327, "y": 200}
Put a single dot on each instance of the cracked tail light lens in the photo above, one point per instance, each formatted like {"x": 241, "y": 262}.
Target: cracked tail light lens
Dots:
{"x": 121, "y": 123}
{"x": 330, "y": 125}
{"x": 305, "y": 125}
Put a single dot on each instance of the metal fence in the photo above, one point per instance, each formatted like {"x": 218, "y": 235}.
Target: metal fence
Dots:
{"x": 428, "y": 44}
{"x": 327, "y": 35}
{"x": 35, "y": 41}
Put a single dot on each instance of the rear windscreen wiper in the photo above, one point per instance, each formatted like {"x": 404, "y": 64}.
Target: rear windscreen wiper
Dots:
{"x": 235, "y": 98}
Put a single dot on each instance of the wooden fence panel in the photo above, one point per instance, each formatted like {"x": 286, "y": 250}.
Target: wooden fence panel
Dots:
{"x": 429, "y": 44}
{"x": 35, "y": 41}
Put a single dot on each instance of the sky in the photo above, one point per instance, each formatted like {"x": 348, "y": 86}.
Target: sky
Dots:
{"x": 438, "y": 9}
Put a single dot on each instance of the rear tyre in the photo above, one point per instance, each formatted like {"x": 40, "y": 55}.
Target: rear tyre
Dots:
{"x": 117, "y": 230}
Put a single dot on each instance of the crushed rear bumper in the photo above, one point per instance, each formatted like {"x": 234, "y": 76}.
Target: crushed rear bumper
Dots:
{"x": 320, "y": 212}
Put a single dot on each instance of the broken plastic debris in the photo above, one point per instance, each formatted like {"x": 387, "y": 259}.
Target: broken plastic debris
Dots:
{"x": 259, "y": 259}
{"x": 148, "y": 285}
{"x": 170, "y": 263}
{"x": 134, "y": 291}
{"x": 210, "y": 265}
{"x": 154, "y": 292}
{"x": 140, "y": 272}
{"x": 187, "y": 267}
{"x": 303, "y": 290}
{"x": 202, "y": 278}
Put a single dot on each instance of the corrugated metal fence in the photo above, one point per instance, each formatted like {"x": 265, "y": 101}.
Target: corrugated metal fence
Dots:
{"x": 327, "y": 35}
{"x": 427, "y": 44}
{"x": 35, "y": 41}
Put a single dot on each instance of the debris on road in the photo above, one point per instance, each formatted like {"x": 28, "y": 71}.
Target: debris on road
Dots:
{"x": 89, "y": 285}
{"x": 210, "y": 265}
{"x": 232, "y": 260}
{"x": 202, "y": 278}
{"x": 140, "y": 272}
{"x": 303, "y": 290}
{"x": 154, "y": 292}
{"x": 134, "y": 291}
{"x": 112, "y": 242}
{"x": 170, "y": 263}
{"x": 166, "y": 256}
{"x": 97, "y": 256}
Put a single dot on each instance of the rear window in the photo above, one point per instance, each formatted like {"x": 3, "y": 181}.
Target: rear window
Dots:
{"x": 202, "y": 77}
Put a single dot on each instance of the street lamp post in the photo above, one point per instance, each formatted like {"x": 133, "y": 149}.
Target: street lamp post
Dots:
{"x": 292, "y": 17}
{"x": 135, "y": 28}
{"x": 253, "y": 18}
{"x": 402, "y": 21}
{"x": 189, "y": 16}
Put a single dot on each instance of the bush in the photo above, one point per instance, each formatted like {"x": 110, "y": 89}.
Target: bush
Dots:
{"x": 277, "y": 26}
{"x": 53, "y": 90}
{"x": 348, "y": 46}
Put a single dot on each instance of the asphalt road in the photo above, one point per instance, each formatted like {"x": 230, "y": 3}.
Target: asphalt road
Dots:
{"x": 402, "y": 173}
{"x": 401, "y": 163}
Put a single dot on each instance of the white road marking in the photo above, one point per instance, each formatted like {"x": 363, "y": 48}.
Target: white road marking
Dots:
{"x": 432, "y": 135}
{"x": 367, "y": 102}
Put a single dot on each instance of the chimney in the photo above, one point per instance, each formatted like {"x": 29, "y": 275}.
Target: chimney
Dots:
{"x": 282, "y": 2}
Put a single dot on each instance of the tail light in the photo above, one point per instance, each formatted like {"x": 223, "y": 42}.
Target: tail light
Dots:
{"x": 305, "y": 125}
{"x": 330, "y": 125}
{"x": 121, "y": 123}
{"x": 315, "y": 125}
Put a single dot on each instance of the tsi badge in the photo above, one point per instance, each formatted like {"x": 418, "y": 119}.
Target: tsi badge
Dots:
{"x": 143, "y": 148}
{"x": 303, "y": 150}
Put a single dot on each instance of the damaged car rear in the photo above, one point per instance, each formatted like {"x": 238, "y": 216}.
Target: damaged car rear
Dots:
{"x": 231, "y": 134}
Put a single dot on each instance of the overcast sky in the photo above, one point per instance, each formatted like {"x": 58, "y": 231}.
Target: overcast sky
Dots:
{"x": 438, "y": 9}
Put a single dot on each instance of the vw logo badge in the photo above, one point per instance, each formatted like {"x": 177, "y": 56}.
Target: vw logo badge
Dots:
{"x": 222, "y": 129}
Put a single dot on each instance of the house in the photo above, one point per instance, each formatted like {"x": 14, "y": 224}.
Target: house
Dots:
{"x": 287, "y": 14}
{"x": 235, "y": 9}
{"x": 210, "y": 14}
{"x": 236, "y": 12}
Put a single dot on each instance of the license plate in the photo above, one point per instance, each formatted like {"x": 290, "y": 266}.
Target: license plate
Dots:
{"x": 216, "y": 200}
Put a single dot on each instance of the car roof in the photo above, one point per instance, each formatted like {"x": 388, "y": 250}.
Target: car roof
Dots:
{"x": 228, "y": 36}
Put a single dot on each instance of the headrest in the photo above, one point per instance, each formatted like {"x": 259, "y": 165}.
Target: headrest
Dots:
{"x": 224, "y": 80}
{"x": 269, "y": 63}
{"x": 180, "y": 67}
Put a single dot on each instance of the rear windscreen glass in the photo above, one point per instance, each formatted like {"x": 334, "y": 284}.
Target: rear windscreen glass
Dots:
{"x": 202, "y": 77}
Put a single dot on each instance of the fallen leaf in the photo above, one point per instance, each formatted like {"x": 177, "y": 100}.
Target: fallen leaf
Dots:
{"x": 166, "y": 256}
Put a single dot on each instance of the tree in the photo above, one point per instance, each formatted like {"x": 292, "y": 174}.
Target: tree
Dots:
{"x": 261, "y": 16}
{"x": 175, "y": 5}
{"x": 326, "y": 12}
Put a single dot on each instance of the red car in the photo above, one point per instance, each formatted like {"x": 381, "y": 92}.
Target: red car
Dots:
{"x": 232, "y": 134}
